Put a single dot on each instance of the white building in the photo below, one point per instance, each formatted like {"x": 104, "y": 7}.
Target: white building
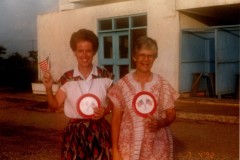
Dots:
{"x": 193, "y": 37}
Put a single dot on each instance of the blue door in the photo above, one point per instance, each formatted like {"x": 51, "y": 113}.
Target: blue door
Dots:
{"x": 114, "y": 53}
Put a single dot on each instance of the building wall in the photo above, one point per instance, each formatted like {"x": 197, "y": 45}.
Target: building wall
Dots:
{"x": 187, "y": 4}
{"x": 164, "y": 25}
{"x": 187, "y": 22}
{"x": 55, "y": 29}
{"x": 65, "y": 5}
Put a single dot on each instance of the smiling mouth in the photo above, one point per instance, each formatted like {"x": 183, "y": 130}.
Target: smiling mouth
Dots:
{"x": 84, "y": 60}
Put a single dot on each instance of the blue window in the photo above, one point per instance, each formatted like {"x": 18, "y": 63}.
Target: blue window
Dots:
{"x": 116, "y": 37}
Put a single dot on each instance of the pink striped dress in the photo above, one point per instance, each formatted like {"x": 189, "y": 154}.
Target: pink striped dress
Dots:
{"x": 135, "y": 141}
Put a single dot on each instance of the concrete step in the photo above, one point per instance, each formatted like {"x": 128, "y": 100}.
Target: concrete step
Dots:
{"x": 208, "y": 109}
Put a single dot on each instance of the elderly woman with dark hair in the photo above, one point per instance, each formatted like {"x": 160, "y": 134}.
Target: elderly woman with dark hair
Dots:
{"x": 143, "y": 108}
{"x": 83, "y": 91}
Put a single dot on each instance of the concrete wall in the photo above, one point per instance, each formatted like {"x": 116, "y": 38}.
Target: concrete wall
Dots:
{"x": 55, "y": 29}
{"x": 188, "y": 4}
{"x": 66, "y": 5}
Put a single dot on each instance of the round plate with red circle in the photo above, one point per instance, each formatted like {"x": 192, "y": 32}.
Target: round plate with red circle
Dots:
{"x": 86, "y": 103}
{"x": 144, "y": 103}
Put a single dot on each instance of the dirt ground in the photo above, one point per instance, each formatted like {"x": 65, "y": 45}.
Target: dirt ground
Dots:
{"x": 29, "y": 143}
{"x": 30, "y": 131}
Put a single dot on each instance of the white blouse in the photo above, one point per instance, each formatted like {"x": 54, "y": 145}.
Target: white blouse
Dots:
{"x": 76, "y": 87}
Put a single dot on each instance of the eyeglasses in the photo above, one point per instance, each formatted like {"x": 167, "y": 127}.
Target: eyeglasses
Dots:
{"x": 143, "y": 56}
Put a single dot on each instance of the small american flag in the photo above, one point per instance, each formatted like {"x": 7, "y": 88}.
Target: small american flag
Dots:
{"x": 139, "y": 103}
{"x": 44, "y": 65}
{"x": 92, "y": 105}
{"x": 148, "y": 101}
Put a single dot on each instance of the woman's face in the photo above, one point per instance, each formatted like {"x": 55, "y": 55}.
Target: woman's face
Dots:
{"x": 84, "y": 53}
{"x": 144, "y": 59}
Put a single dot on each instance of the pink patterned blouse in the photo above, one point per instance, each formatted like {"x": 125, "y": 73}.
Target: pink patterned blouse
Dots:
{"x": 135, "y": 141}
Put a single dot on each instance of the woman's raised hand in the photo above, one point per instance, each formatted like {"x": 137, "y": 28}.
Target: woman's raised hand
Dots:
{"x": 47, "y": 80}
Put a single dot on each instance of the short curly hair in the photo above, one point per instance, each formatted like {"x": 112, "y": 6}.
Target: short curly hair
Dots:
{"x": 145, "y": 42}
{"x": 84, "y": 35}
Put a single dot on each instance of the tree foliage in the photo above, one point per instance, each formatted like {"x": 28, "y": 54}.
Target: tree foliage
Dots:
{"x": 2, "y": 50}
{"x": 18, "y": 71}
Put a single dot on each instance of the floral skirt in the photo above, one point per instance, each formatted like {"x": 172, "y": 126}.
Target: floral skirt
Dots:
{"x": 86, "y": 139}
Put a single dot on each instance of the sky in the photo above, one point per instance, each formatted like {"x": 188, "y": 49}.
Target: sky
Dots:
{"x": 18, "y": 23}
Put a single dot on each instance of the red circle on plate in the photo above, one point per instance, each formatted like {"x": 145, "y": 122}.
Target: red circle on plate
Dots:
{"x": 138, "y": 103}
{"x": 86, "y": 103}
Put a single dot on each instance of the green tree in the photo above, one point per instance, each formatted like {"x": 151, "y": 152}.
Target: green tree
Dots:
{"x": 2, "y": 50}
{"x": 19, "y": 71}
{"x": 33, "y": 55}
